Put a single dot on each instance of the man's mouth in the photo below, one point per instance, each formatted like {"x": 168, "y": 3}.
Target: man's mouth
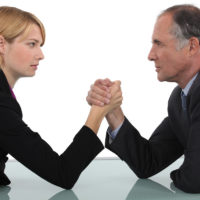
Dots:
{"x": 34, "y": 66}
{"x": 157, "y": 69}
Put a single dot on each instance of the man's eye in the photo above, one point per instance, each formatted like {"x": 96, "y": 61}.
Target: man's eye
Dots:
{"x": 158, "y": 43}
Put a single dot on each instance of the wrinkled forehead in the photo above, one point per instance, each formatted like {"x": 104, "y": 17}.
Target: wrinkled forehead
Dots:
{"x": 163, "y": 25}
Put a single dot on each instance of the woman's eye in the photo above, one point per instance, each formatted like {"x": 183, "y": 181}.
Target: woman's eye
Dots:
{"x": 32, "y": 44}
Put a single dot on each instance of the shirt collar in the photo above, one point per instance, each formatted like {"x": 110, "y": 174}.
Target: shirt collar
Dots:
{"x": 188, "y": 86}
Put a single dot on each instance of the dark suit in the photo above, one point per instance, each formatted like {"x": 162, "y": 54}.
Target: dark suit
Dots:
{"x": 17, "y": 139}
{"x": 178, "y": 134}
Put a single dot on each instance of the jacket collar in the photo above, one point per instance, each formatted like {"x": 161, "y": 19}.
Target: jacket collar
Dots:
{"x": 6, "y": 98}
{"x": 4, "y": 86}
{"x": 195, "y": 84}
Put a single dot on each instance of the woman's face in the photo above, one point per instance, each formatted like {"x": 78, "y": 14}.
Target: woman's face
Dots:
{"x": 21, "y": 57}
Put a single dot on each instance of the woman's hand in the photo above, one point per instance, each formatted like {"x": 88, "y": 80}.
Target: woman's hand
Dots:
{"x": 97, "y": 113}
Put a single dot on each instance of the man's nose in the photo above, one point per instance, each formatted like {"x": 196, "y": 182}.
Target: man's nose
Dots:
{"x": 152, "y": 55}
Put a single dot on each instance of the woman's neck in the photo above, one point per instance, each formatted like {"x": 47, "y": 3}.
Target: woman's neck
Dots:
{"x": 10, "y": 78}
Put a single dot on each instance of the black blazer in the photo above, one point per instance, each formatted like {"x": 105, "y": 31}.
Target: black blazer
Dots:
{"x": 25, "y": 145}
{"x": 178, "y": 134}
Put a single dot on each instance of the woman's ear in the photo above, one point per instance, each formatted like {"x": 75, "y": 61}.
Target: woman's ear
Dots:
{"x": 2, "y": 44}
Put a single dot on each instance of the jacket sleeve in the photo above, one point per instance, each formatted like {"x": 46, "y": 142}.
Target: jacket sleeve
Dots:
{"x": 146, "y": 157}
{"x": 31, "y": 150}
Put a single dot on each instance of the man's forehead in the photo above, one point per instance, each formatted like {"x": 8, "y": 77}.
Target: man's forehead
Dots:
{"x": 164, "y": 21}
{"x": 163, "y": 25}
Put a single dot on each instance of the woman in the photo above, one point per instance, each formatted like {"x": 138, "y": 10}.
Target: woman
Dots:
{"x": 21, "y": 37}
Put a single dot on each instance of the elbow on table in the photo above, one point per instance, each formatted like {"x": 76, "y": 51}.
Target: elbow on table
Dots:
{"x": 68, "y": 185}
{"x": 68, "y": 182}
{"x": 190, "y": 186}
{"x": 143, "y": 175}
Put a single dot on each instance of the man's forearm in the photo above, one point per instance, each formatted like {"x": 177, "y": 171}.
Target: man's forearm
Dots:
{"x": 115, "y": 118}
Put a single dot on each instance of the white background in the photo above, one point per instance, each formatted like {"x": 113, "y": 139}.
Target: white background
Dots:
{"x": 86, "y": 40}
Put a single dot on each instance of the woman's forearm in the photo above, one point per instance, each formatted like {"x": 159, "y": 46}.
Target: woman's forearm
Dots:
{"x": 97, "y": 113}
{"x": 95, "y": 118}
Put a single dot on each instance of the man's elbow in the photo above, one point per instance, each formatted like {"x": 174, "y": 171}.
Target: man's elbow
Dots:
{"x": 190, "y": 186}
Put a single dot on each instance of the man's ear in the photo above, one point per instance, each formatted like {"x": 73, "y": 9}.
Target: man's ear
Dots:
{"x": 2, "y": 44}
{"x": 193, "y": 46}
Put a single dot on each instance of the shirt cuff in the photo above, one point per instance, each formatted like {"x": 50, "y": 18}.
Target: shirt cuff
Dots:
{"x": 113, "y": 134}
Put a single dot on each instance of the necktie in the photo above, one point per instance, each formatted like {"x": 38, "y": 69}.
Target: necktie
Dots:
{"x": 183, "y": 99}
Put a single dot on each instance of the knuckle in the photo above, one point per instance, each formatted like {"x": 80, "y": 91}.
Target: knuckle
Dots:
{"x": 89, "y": 93}
{"x": 97, "y": 82}
{"x": 91, "y": 86}
{"x": 92, "y": 95}
{"x": 97, "y": 103}
{"x": 104, "y": 94}
{"x": 94, "y": 88}
{"x": 88, "y": 100}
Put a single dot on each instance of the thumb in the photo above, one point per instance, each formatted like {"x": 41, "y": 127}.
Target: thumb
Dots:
{"x": 107, "y": 82}
{"x": 118, "y": 83}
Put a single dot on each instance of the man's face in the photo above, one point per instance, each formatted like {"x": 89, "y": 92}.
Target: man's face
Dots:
{"x": 171, "y": 64}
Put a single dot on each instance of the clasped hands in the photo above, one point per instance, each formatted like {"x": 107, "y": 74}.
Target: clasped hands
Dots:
{"x": 106, "y": 94}
{"x": 106, "y": 97}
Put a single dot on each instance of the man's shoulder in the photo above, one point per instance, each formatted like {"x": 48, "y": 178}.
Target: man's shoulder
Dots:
{"x": 175, "y": 93}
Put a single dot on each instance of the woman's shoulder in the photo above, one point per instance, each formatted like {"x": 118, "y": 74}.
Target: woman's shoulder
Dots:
{"x": 9, "y": 104}
{"x": 10, "y": 113}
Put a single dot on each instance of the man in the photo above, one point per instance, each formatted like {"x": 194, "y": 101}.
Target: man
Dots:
{"x": 176, "y": 54}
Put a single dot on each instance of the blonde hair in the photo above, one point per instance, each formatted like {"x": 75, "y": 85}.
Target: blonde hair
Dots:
{"x": 15, "y": 22}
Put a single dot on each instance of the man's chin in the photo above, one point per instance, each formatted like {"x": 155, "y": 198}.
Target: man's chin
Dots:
{"x": 160, "y": 78}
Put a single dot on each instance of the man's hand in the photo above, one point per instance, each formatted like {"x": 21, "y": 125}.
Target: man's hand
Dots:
{"x": 100, "y": 92}
{"x": 116, "y": 97}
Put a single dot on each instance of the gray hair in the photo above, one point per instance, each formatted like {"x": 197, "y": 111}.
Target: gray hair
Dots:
{"x": 186, "y": 23}
{"x": 176, "y": 31}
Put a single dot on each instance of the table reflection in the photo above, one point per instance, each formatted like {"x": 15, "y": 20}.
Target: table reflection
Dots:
{"x": 145, "y": 189}
{"x": 4, "y": 190}
{"x": 63, "y": 195}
